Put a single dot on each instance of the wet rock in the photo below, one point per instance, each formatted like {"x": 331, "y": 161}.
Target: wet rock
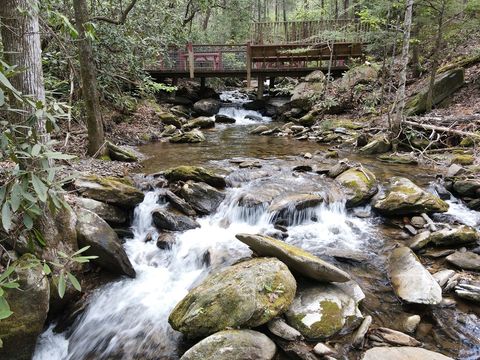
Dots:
{"x": 178, "y": 203}
{"x": 189, "y": 137}
{"x": 295, "y": 258}
{"x": 404, "y": 197}
{"x": 393, "y": 337}
{"x": 457, "y": 236}
{"x": 247, "y": 294}
{"x": 30, "y": 305}
{"x": 466, "y": 260}
{"x": 169, "y": 219}
{"x": 298, "y": 350}
{"x": 201, "y": 122}
{"x": 204, "y": 198}
{"x": 195, "y": 173}
{"x": 120, "y": 153}
{"x": 323, "y": 350}
{"x": 418, "y": 222}
{"x": 280, "y": 328}
{"x": 259, "y": 130}
{"x": 359, "y": 336}
{"x": 419, "y": 241}
{"x": 207, "y": 107}
{"x": 110, "y": 213}
{"x": 250, "y": 164}
{"x": 339, "y": 168}
{"x": 445, "y": 85}
{"x": 233, "y": 344}
{"x": 468, "y": 187}
{"x": 410, "y": 280}
{"x": 224, "y": 119}
{"x": 110, "y": 190}
{"x": 443, "y": 276}
{"x": 286, "y": 207}
{"x": 302, "y": 168}
{"x": 253, "y": 117}
{"x": 169, "y": 130}
{"x": 103, "y": 241}
{"x": 170, "y": 119}
{"x": 399, "y": 159}
{"x": 166, "y": 240}
{"x": 411, "y": 323}
{"x": 468, "y": 291}
{"x": 323, "y": 310}
{"x": 378, "y": 145}
{"x": 361, "y": 185}
{"x": 402, "y": 353}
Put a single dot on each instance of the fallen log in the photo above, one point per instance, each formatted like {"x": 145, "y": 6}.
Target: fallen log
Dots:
{"x": 441, "y": 129}
{"x": 446, "y": 119}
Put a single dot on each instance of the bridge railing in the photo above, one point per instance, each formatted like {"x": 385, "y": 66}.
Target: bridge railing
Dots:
{"x": 318, "y": 31}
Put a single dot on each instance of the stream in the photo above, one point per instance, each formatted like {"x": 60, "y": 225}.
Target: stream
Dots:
{"x": 128, "y": 318}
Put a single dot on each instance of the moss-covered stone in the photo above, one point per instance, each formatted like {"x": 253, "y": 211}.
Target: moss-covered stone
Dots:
{"x": 397, "y": 158}
{"x": 361, "y": 185}
{"x": 463, "y": 159}
{"x": 201, "y": 122}
{"x": 120, "y": 153}
{"x": 247, "y": 294}
{"x": 378, "y": 145}
{"x": 467, "y": 187}
{"x": 404, "y": 197}
{"x": 190, "y": 137}
{"x": 195, "y": 173}
{"x": 170, "y": 119}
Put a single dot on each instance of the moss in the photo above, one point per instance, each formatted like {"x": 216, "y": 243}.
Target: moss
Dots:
{"x": 195, "y": 173}
{"x": 463, "y": 159}
{"x": 105, "y": 158}
{"x": 331, "y": 321}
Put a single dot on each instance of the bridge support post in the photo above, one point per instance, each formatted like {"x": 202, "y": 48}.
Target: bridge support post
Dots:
{"x": 271, "y": 83}
{"x": 202, "y": 83}
{"x": 249, "y": 65}
{"x": 260, "y": 87}
{"x": 191, "y": 60}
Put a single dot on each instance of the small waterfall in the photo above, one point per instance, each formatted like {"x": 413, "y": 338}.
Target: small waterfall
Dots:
{"x": 128, "y": 319}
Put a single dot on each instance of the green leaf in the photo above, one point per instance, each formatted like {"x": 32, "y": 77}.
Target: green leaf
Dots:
{"x": 46, "y": 269}
{"x": 85, "y": 248}
{"x": 28, "y": 221}
{"x": 7, "y": 273}
{"x": 62, "y": 254}
{"x": 1, "y": 292}
{"x": 36, "y": 149}
{"x": 61, "y": 285}
{"x": 2, "y": 98}
{"x": 15, "y": 196}
{"x": 6, "y": 217}
{"x": 4, "y": 309}
{"x": 39, "y": 237}
{"x": 40, "y": 188}
{"x": 5, "y": 83}
{"x": 11, "y": 285}
{"x": 74, "y": 281}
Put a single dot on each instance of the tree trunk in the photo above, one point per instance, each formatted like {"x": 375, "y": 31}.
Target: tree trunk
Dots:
{"x": 21, "y": 46}
{"x": 206, "y": 19}
{"x": 96, "y": 135}
{"x": 400, "y": 97}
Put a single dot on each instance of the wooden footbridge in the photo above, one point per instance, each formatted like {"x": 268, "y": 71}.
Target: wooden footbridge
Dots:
{"x": 291, "y": 48}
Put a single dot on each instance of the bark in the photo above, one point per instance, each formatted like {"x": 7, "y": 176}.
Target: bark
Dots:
{"x": 206, "y": 19}
{"x": 22, "y": 47}
{"x": 400, "y": 96}
{"x": 96, "y": 135}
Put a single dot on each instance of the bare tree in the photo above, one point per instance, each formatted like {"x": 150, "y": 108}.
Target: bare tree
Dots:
{"x": 96, "y": 136}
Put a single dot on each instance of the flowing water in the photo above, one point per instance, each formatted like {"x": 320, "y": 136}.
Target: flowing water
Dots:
{"x": 128, "y": 319}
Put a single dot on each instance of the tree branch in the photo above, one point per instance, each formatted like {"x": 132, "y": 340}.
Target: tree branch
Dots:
{"x": 123, "y": 16}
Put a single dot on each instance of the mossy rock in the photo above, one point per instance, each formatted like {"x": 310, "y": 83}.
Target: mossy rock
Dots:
{"x": 190, "y": 137}
{"x": 463, "y": 159}
{"x": 378, "y": 145}
{"x": 467, "y": 187}
{"x": 397, "y": 158}
{"x": 111, "y": 190}
{"x": 120, "y": 153}
{"x": 233, "y": 345}
{"x": 195, "y": 173}
{"x": 170, "y": 119}
{"x": 457, "y": 236}
{"x": 361, "y": 185}
{"x": 201, "y": 122}
{"x": 247, "y": 295}
{"x": 406, "y": 198}
{"x": 323, "y": 310}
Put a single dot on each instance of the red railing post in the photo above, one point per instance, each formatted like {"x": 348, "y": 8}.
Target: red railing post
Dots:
{"x": 191, "y": 60}
{"x": 249, "y": 64}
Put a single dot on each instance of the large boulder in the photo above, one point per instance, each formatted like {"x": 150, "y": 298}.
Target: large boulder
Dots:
{"x": 110, "y": 213}
{"x": 323, "y": 310}
{"x": 406, "y": 198}
{"x": 445, "y": 85}
{"x": 362, "y": 74}
{"x": 224, "y": 119}
{"x": 465, "y": 260}
{"x": 110, "y": 190}
{"x": 295, "y": 258}
{"x": 402, "y": 353}
{"x": 93, "y": 231}
{"x": 29, "y": 305}
{"x": 247, "y": 294}
{"x": 378, "y": 145}
{"x": 204, "y": 198}
{"x": 195, "y": 173}
{"x": 189, "y": 137}
{"x": 173, "y": 220}
{"x": 121, "y": 153}
{"x": 467, "y": 187}
{"x": 410, "y": 280}
{"x": 361, "y": 185}
{"x": 305, "y": 93}
{"x": 170, "y": 119}
{"x": 233, "y": 344}
{"x": 285, "y": 208}
{"x": 207, "y": 107}
{"x": 201, "y": 122}
{"x": 452, "y": 237}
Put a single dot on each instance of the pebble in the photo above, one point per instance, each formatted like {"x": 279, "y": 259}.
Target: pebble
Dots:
{"x": 322, "y": 350}
{"x": 411, "y": 323}
{"x": 411, "y": 229}
{"x": 418, "y": 221}
{"x": 359, "y": 335}
{"x": 443, "y": 276}
{"x": 307, "y": 155}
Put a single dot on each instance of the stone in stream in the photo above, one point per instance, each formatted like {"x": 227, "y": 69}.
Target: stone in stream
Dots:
{"x": 224, "y": 119}
{"x": 286, "y": 208}
{"x": 362, "y": 330}
{"x": 204, "y": 198}
{"x": 410, "y": 280}
{"x": 411, "y": 323}
{"x": 454, "y": 237}
{"x": 402, "y": 353}
{"x": 443, "y": 276}
{"x": 467, "y": 187}
{"x": 360, "y": 183}
{"x": 465, "y": 260}
{"x": 259, "y": 130}
{"x": 393, "y": 337}
{"x": 178, "y": 203}
{"x": 120, "y": 153}
{"x": 170, "y": 219}
{"x": 110, "y": 213}
{"x": 195, "y": 173}
{"x": 201, "y": 122}
{"x": 296, "y": 259}
{"x": 233, "y": 344}
{"x": 247, "y": 294}
{"x": 280, "y": 328}
{"x": 378, "y": 145}
{"x": 170, "y": 119}
{"x": 189, "y": 137}
{"x": 468, "y": 291}
{"x": 114, "y": 191}
{"x": 103, "y": 241}
{"x": 339, "y": 168}
{"x": 404, "y": 198}
{"x": 169, "y": 130}
{"x": 30, "y": 305}
{"x": 322, "y": 310}
{"x": 323, "y": 350}
{"x": 207, "y": 107}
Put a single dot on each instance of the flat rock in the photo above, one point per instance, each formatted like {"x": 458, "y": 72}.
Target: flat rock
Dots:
{"x": 110, "y": 213}
{"x": 205, "y": 199}
{"x": 456, "y": 236}
{"x": 465, "y": 260}
{"x": 224, "y": 119}
{"x": 360, "y": 185}
{"x": 443, "y": 276}
{"x": 280, "y": 328}
{"x": 286, "y": 208}
{"x": 410, "y": 280}
{"x": 170, "y": 219}
{"x": 231, "y": 345}
{"x": 468, "y": 291}
{"x": 248, "y": 294}
{"x": 323, "y": 310}
{"x": 190, "y": 137}
{"x": 402, "y": 353}
{"x": 195, "y": 173}
{"x": 295, "y": 258}
{"x": 394, "y": 337}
